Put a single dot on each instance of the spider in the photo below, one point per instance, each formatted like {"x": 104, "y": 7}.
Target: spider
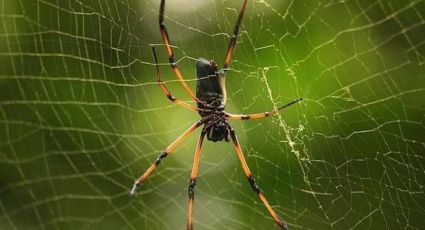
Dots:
{"x": 211, "y": 101}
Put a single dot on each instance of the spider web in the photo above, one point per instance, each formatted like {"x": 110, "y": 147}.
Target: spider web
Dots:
{"x": 81, "y": 115}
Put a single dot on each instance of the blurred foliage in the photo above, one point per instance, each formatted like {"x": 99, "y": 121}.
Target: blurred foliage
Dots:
{"x": 81, "y": 115}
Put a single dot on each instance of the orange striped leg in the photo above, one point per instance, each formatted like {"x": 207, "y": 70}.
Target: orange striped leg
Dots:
{"x": 260, "y": 115}
{"x": 165, "y": 89}
{"x": 232, "y": 42}
{"x": 164, "y": 154}
{"x": 192, "y": 182}
{"x": 170, "y": 52}
{"x": 282, "y": 225}
{"x": 230, "y": 48}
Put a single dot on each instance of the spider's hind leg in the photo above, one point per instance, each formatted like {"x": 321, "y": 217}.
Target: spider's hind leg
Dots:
{"x": 170, "y": 52}
{"x": 233, "y": 39}
{"x": 164, "y": 88}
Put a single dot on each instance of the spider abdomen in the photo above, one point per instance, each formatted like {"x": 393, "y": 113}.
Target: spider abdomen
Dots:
{"x": 208, "y": 88}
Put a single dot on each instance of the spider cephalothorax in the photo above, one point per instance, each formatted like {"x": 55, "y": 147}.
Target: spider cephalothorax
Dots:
{"x": 217, "y": 126}
{"x": 211, "y": 101}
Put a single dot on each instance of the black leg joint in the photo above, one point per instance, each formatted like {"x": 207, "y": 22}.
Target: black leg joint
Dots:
{"x": 253, "y": 184}
{"x": 227, "y": 135}
{"x": 245, "y": 117}
{"x": 199, "y": 123}
{"x": 191, "y": 192}
{"x": 233, "y": 38}
{"x": 161, "y": 156}
{"x": 232, "y": 131}
{"x": 172, "y": 62}
{"x": 171, "y": 98}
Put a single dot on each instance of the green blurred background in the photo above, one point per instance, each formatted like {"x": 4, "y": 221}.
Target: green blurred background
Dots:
{"x": 81, "y": 115}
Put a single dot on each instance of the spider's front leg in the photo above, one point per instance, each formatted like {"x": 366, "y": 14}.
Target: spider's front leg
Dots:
{"x": 164, "y": 154}
{"x": 282, "y": 224}
{"x": 260, "y": 115}
{"x": 192, "y": 182}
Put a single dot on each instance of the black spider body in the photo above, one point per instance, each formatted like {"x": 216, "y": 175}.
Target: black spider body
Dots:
{"x": 211, "y": 99}
{"x": 211, "y": 104}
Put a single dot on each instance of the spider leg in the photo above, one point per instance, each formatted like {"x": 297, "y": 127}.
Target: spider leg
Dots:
{"x": 230, "y": 48}
{"x": 192, "y": 182}
{"x": 282, "y": 225}
{"x": 166, "y": 38}
{"x": 165, "y": 89}
{"x": 260, "y": 115}
{"x": 232, "y": 42}
{"x": 164, "y": 154}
